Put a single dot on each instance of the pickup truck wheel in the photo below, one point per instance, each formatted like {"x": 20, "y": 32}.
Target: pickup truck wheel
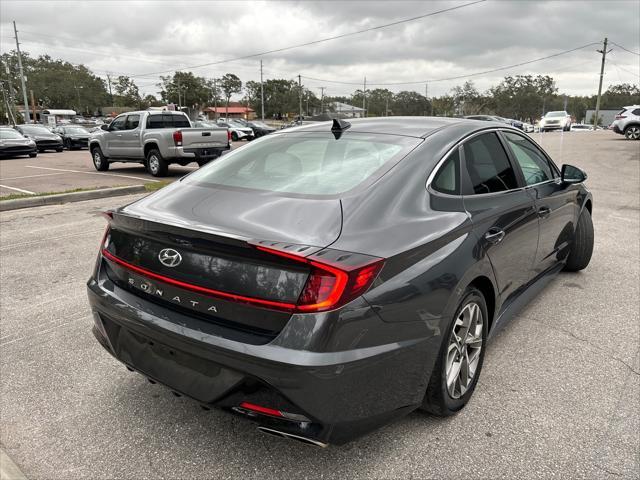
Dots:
{"x": 156, "y": 164}
{"x": 99, "y": 162}
{"x": 202, "y": 163}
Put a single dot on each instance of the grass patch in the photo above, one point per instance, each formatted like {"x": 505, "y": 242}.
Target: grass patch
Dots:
{"x": 153, "y": 186}
{"x": 149, "y": 187}
{"x": 13, "y": 196}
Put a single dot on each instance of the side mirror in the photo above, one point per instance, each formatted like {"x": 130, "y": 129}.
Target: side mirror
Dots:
{"x": 104, "y": 127}
{"x": 571, "y": 174}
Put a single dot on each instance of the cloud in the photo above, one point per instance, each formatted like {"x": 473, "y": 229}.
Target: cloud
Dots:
{"x": 146, "y": 37}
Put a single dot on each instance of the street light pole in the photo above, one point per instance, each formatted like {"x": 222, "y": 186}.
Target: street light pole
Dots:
{"x": 24, "y": 85}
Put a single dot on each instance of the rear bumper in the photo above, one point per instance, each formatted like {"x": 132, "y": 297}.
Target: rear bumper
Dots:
{"x": 617, "y": 129}
{"x": 343, "y": 394}
{"x": 17, "y": 150}
{"x": 195, "y": 154}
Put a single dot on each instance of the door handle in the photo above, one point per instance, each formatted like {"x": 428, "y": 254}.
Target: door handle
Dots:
{"x": 544, "y": 212}
{"x": 494, "y": 235}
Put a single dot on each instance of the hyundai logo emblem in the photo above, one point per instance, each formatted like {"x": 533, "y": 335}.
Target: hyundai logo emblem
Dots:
{"x": 169, "y": 257}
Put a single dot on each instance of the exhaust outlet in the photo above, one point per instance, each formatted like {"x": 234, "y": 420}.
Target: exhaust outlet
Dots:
{"x": 291, "y": 436}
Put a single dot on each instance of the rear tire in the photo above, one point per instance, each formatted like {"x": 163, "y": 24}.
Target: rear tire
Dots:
{"x": 234, "y": 136}
{"x": 67, "y": 144}
{"x": 582, "y": 246}
{"x": 59, "y": 149}
{"x": 202, "y": 163}
{"x": 100, "y": 163}
{"x": 156, "y": 165}
{"x": 33, "y": 155}
{"x": 464, "y": 343}
{"x": 632, "y": 132}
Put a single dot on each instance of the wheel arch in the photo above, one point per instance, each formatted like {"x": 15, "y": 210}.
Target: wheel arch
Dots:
{"x": 485, "y": 285}
{"x": 150, "y": 146}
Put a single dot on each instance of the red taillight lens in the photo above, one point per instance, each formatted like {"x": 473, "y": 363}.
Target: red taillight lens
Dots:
{"x": 108, "y": 215}
{"x": 260, "y": 409}
{"x": 330, "y": 286}
{"x": 228, "y": 135}
{"x": 177, "y": 138}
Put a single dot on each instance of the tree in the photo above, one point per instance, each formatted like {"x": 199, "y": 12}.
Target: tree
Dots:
{"x": 186, "y": 89}
{"x": 55, "y": 83}
{"x": 467, "y": 99}
{"x": 127, "y": 93}
{"x": 524, "y": 96}
{"x": 409, "y": 103}
{"x": 229, "y": 84}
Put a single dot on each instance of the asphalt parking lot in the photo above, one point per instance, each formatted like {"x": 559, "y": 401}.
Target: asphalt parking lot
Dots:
{"x": 73, "y": 169}
{"x": 559, "y": 394}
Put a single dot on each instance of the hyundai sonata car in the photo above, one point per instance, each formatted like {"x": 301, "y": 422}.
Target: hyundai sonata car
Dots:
{"x": 327, "y": 279}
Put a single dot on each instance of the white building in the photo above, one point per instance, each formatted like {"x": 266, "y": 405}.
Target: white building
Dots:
{"x": 347, "y": 110}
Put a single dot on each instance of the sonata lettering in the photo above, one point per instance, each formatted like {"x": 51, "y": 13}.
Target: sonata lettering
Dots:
{"x": 149, "y": 288}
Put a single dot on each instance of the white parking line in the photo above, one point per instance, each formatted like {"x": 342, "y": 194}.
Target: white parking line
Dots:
{"x": 93, "y": 173}
{"x": 18, "y": 190}
{"x": 34, "y": 176}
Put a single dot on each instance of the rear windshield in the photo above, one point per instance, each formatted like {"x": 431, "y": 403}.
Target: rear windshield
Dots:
{"x": 168, "y": 120}
{"x": 6, "y": 134}
{"x": 307, "y": 163}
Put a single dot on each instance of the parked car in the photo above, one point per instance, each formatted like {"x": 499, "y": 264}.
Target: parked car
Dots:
{"x": 559, "y": 120}
{"x": 14, "y": 144}
{"x": 496, "y": 118}
{"x": 44, "y": 138}
{"x": 627, "y": 122}
{"x": 240, "y": 285}
{"x": 261, "y": 129}
{"x": 527, "y": 127}
{"x": 73, "y": 136}
{"x": 238, "y": 131}
{"x": 155, "y": 139}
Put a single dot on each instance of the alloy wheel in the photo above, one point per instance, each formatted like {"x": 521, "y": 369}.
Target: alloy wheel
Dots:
{"x": 154, "y": 164}
{"x": 97, "y": 158}
{"x": 463, "y": 352}
{"x": 633, "y": 133}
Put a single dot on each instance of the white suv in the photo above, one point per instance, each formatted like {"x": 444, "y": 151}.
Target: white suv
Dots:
{"x": 627, "y": 122}
{"x": 556, "y": 121}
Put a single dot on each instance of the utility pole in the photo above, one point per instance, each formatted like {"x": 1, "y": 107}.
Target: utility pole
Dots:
{"x": 322, "y": 99}
{"x": 110, "y": 94}
{"x": 179, "y": 98}
{"x": 215, "y": 98}
{"x": 364, "y": 98}
{"x": 24, "y": 85}
{"x": 33, "y": 105}
{"x": 261, "y": 94}
{"x": 604, "y": 54}
{"x": 426, "y": 96}
{"x": 386, "y": 105}
{"x": 300, "y": 97}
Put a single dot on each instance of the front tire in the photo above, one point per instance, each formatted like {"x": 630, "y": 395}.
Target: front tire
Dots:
{"x": 156, "y": 165}
{"x": 100, "y": 163}
{"x": 459, "y": 363}
{"x": 582, "y": 246}
{"x": 632, "y": 132}
{"x": 33, "y": 155}
{"x": 234, "y": 136}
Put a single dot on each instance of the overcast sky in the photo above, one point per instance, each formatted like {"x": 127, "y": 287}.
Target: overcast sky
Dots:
{"x": 137, "y": 38}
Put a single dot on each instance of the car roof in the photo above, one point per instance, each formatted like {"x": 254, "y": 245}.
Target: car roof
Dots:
{"x": 406, "y": 126}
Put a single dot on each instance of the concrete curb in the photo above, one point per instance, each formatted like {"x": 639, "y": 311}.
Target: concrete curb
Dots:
{"x": 39, "y": 201}
{"x": 8, "y": 469}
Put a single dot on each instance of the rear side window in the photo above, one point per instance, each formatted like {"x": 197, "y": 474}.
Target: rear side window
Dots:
{"x": 636, "y": 111}
{"x": 155, "y": 121}
{"x": 488, "y": 166}
{"x": 179, "y": 121}
{"x": 447, "y": 180}
{"x": 307, "y": 163}
{"x": 533, "y": 163}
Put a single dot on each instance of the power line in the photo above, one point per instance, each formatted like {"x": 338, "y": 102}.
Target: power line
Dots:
{"x": 625, "y": 49}
{"x": 322, "y": 40}
{"x": 459, "y": 76}
{"x": 624, "y": 69}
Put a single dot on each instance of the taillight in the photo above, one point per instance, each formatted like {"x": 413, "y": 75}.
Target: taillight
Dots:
{"x": 108, "y": 215}
{"x": 620, "y": 117}
{"x": 332, "y": 284}
{"x": 228, "y": 135}
{"x": 177, "y": 138}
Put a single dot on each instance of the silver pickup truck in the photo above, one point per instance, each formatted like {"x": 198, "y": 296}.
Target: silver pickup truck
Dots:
{"x": 156, "y": 139}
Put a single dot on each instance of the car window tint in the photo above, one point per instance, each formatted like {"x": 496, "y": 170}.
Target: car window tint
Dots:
{"x": 118, "y": 124}
{"x": 488, "y": 165}
{"x": 154, "y": 121}
{"x": 636, "y": 111}
{"x": 132, "y": 122}
{"x": 309, "y": 163}
{"x": 447, "y": 178}
{"x": 180, "y": 121}
{"x": 533, "y": 163}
